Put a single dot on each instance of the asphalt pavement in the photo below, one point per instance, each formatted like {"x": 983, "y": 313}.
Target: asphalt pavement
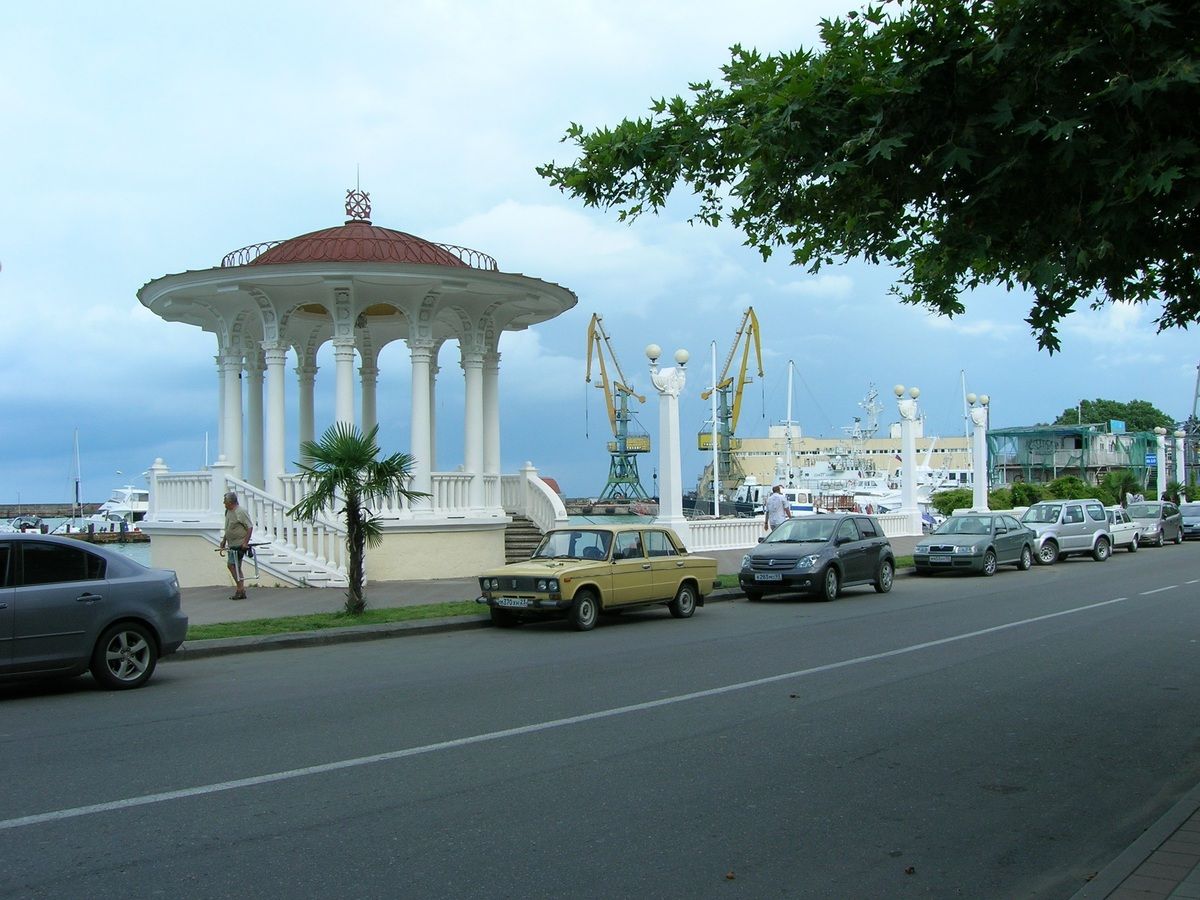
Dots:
{"x": 1164, "y": 862}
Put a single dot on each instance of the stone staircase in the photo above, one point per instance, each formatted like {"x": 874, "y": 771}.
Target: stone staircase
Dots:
{"x": 521, "y": 538}
{"x": 279, "y": 564}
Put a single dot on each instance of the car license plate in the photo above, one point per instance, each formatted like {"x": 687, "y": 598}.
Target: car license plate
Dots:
{"x": 519, "y": 602}
{"x": 939, "y": 558}
{"x": 768, "y": 576}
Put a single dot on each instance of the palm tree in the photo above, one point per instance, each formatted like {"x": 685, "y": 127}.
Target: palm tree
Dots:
{"x": 342, "y": 466}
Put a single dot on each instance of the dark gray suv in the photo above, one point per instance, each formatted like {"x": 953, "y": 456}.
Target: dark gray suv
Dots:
{"x": 819, "y": 554}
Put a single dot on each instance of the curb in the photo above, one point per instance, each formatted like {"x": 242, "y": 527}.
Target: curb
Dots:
{"x": 228, "y": 646}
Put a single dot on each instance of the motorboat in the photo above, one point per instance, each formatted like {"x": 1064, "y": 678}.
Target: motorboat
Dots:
{"x": 127, "y": 503}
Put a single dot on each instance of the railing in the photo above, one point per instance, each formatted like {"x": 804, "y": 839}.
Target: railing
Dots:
{"x": 735, "y": 534}
{"x": 185, "y": 494}
{"x": 527, "y": 495}
{"x": 322, "y": 540}
{"x": 475, "y": 259}
{"x": 724, "y": 534}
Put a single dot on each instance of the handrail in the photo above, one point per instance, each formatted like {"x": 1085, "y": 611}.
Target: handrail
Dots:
{"x": 323, "y": 540}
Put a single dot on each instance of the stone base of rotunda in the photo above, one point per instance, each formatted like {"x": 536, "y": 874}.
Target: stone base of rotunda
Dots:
{"x": 419, "y": 552}
{"x": 410, "y": 551}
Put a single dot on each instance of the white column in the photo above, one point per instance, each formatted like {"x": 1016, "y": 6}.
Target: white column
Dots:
{"x": 220, "y": 407}
{"x": 276, "y": 464}
{"x": 1161, "y": 467}
{"x": 979, "y": 464}
{"x": 231, "y": 433}
{"x": 343, "y": 356}
{"x": 419, "y": 421}
{"x": 368, "y": 374}
{"x": 472, "y": 366}
{"x": 254, "y": 418}
{"x": 908, "y": 456}
{"x": 306, "y": 378}
{"x": 434, "y": 368}
{"x": 669, "y": 383}
{"x": 1180, "y": 461}
{"x": 491, "y": 413}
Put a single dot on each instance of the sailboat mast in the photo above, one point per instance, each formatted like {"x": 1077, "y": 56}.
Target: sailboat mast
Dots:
{"x": 77, "y": 508}
{"x": 787, "y": 465}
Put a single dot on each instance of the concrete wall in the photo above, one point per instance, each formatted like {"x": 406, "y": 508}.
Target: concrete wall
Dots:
{"x": 454, "y": 552}
{"x": 192, "y": 558}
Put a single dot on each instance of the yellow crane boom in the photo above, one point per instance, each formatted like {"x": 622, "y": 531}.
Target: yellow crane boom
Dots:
{"x": 748, "y": 329}
{"x": 623, "y": 483}
{"x": 598, "y": 344}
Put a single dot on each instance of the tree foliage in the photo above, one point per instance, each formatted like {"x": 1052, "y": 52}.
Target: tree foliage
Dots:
{"x": 1138, "y": 415}
{"x": 1050, "y": 145}
{"x": 343, "y": 467}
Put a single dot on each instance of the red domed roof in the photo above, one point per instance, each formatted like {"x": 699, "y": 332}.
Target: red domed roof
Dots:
{"x": 358, "y": 241}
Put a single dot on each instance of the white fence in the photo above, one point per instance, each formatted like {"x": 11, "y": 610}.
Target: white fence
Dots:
{"x": 737, "y": 534}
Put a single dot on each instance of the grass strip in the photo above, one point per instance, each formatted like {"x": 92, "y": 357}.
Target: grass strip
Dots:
{"x": 322, "y": 621}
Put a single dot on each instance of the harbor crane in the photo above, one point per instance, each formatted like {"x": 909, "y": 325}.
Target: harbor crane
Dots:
{"x": 729, "y": 404}
{"x": 623, "y": 481}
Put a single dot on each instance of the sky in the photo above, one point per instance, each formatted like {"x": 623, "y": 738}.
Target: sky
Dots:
{"x": 143, "y": 139}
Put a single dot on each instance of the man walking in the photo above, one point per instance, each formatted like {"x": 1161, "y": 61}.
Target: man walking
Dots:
{"x": 236, "y": 541}
{"x": 777, "y": 508}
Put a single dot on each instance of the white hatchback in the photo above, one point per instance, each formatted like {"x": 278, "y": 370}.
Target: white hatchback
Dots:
{"x": 1125, "y": 532}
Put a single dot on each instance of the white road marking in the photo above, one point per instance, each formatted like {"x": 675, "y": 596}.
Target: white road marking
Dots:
{"x": 1169, "y": 587}
{"x": 202, "y": 790}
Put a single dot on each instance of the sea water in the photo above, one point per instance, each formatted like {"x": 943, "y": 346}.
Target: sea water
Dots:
{"x": 138, "y": 551}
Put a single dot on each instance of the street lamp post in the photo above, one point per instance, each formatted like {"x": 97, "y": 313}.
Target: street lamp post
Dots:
{"x": 1160, "y": 434}
{"x": 908, "y": 456}
{"x": 979, "y": 418}
{"x": 669, "y": 384}
{"x": 1180, "y": 462}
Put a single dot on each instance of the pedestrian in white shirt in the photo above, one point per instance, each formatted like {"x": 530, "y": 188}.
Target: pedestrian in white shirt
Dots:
{"x": 777, "y": 508}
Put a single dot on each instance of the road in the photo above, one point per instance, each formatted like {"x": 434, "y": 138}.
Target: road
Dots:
{"x": 967, "y": 737}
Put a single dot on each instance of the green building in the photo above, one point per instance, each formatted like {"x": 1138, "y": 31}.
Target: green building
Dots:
{"x": 1038, "y": 454}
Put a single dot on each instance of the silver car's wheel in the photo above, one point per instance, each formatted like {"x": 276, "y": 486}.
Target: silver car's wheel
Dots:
{"x": 1179, "y": 536}
{"x": 1101, "y": 550}
{"x": 1025, "y": 563}
{"x": 584, "y": 611}
{"x": 1048, "y": 553}
{"x": 1161, "y": 540}
{"x": 989, "y": 563}
{"x": 684, "y": 603}
{"x": 1133, "y": 545}
{"x": 885, "y": 576}
{"x": 125, "y": 657}
{"x": 830, "y": 583}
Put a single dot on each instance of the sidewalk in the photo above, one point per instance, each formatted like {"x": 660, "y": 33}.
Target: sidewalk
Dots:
{"x": 1163, "y": 863}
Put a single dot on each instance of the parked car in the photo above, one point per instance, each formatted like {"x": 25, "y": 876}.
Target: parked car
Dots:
{"x": 582, "y": 572}
{"x": 976, "y": 542}
{"x": 1065, "y": 527}
{"x": 1159, "y": 520}
{"x": 1190, "y": 512}
{"x": 819, "y": 554}
{"x": 1124, "y": 531}
{"x": 66, "y": 607}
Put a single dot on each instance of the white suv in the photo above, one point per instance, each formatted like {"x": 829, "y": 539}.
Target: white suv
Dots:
{"x": 1069, "y": 526}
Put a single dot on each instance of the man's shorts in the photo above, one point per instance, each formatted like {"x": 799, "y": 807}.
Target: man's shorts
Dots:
{"x": 234, "y": 556}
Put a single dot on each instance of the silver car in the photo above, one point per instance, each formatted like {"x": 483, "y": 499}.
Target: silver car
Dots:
{"x": 1159, "y": 520}
{"x": 1068, "y": 526}
{"x": 975, "y": 542}
{"x": 1191, "y": 519}
{"x": 67, "y": 607}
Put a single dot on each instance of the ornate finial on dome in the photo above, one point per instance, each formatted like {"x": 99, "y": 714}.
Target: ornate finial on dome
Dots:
{"x": 358, "y": 206}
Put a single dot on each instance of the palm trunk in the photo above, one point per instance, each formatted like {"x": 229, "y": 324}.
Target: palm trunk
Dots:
{"x": 356, "y": 540}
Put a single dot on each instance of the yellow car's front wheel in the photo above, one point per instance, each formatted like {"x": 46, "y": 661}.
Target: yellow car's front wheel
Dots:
{"x": 584, "y": 611}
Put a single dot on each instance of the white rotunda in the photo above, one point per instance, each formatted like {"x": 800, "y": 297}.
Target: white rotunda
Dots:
{"x": 359, "y": 287}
